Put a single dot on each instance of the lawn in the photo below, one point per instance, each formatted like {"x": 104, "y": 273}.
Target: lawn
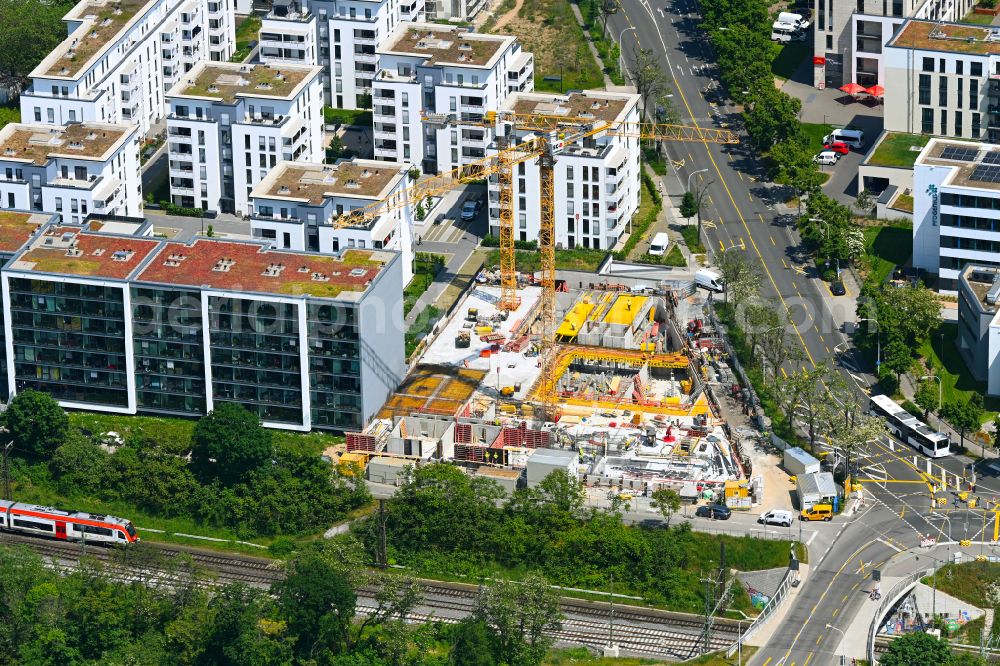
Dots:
{"x": 655, "y": 160}
{"x": 578, "y": 259}
{"x": 957, "y": 383}
{"x": 886, "y": 247}
{"x": 332, "y": 116}
{"x": 978, "y": 19}
{"x": 814, "y": 134}
{"x": 674, "y": 257}
{"x": 9, "y": 115}
{"x": 548, "y": 29}
{"x": 246, "y": 32}
{"x": 904, "y": 202}
{"x": 896, "y": 150}
{"x": 421, "y": 326}
{"x": 969, "y": 581}
{"x": 788, "y": 57}
{"x": 426, "y": 267}
{"x": 690, "y": 234}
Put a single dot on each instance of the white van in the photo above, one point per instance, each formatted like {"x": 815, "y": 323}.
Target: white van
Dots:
{"x": 795, "y": 19}
{"x": 853, "y": 138}
{"x": 708, "y": 279}
{"x": 658, "y": 247}
{"x": 782, "y": 32}
{"x": 827, "y": 157}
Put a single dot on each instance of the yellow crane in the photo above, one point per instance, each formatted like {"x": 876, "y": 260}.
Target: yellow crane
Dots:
{"x": 551, "y": 135}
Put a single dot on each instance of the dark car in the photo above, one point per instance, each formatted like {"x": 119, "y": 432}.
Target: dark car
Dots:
{"x": 837, "y": 288}
{"x": 715, "y": 511}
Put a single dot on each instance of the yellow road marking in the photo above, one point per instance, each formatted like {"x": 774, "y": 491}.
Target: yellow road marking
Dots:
{"x": 783, "y": 373}
{"x": 772, "y": 241}
{"x": 855, "y": 586}
{"x": 808, "y": 657}
{"x": 889, "y": 480}
{"x": 729, "y": 193}
{"x": 722, "y": 248}
{"x": 821, "y": 338}
{"x": 767, "y": 662}
{"x": 845, "y": 597}
{"x": 834, "y": 613}
{"x": 819, "y": 638}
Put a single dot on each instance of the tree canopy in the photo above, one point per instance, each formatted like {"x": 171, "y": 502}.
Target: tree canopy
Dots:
{"x": 29, "y": 30}
{"x": 229, "y": 443}
{"x": 37, "y": 424}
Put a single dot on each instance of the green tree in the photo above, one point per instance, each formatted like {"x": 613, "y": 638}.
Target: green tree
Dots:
{"x": 927, "y": 396}
{"x": 793, "y": 165}
{"x": 38, "y": 425}
{"x": 898, "y": 357}
{"x": 966, "y": 415}
{"x": 916, "y": 649}
{"x": 736, "y": 269}
{"x": 647, "y": 76}
{"x": 522, "y": 614}
{"x": 319, "y": 604}
{"x": 472, "y": 644}
{"x": 236, "y": 633}
{"x": 689, "y": 205}
{"x": 907, "y": 313}
{"x": 29, "y": 30}
{"x": 771, "y": 117}
{"x": 666, "y": 502}
{"x": 605, "y": 9}
{"x": 229, "y": 443}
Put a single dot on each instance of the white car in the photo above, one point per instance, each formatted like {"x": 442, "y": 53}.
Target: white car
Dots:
{"x": 827, "y": 157}
{"x": 470, "y": 209}
{"x": 776, "y": 517}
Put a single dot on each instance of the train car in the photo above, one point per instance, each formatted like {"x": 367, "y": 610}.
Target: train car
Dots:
{"x": 65, "y": 525}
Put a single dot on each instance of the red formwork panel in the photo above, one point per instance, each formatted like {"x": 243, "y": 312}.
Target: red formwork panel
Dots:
{"x": 357, "y": 441}
{"x": 470, "y": 452}
{"x": 521, "y": 435}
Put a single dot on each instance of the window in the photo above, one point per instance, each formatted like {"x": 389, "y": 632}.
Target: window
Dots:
{"x": 973, "y": 93}
{"x": 928, "y": 65}
{"x": 927, "y": 121}
{"x": 942, "y": 91}
{"x": 924, "y": 89}
{"x": 959, "y": 88}
{"x": 941, "y": 62}
{"x": 944, "y": 121}
{"x": 32, "y": 525}
{"x": 959, "y": 65}
{"x": 976, "y": 69}
{"x": 58, "y": 204}
{"x": 958, "y": 123}
{"x": 38, "y": 115}
{"x": 975, "y": 126}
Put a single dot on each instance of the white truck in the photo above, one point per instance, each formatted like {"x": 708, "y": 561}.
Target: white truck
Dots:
{"x": 708, "y": 279}
{"x": 796, "y": 20}
{"x": 658, "y": 246}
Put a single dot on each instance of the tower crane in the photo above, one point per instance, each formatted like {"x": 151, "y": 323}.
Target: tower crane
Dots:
{"x": 550, "y": 135}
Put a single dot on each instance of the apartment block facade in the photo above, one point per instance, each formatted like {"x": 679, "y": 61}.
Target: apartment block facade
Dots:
{"x": 121, "y": 56}
{"x": 123, "y": 324}
{"x": 597, "y": 180}
{"x": 229, "y": 124}
{"x": 978, "y": 338}
{"x": 433, "y": 89}
{"x": 71, "y": 170}
{"x": 941, "y": 79}
{"x": 300, "y": 206}
{"x": 340, "y": 36}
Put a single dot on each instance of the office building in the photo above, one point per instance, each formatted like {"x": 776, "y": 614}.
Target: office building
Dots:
{"x": 939, "y": 80}
{"x": 848, "y": 38}
{"x": 121, "y": 56}
{"x": 71, "y": 170}
{"x": 956, "y": 208}
{"x": 597, "y": 180}
{"x": 978, "y": 325}
{"x": 298, "y": 207}
{"x": 125, "y": 324}
{"x": 230, "y": 124}
{"x": 341, "y": 36}
{"x": 433, "y": 89}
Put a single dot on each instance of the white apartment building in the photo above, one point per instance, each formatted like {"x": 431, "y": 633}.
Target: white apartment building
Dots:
{"x": 849, "y": 37}
{"x": 940, "y": 80}
{"x": 956, "y": 208}
{"x": 450, "y": 78}
{"x": 597, "y": 180}
{"x": 229, "y": 124}
{"x": 341, "y": 36}
{"x": 461, "y": 10}
{"x": 296, "y": 207}
{"x": 121, "y": 56}
{"x": 71, "y": 170}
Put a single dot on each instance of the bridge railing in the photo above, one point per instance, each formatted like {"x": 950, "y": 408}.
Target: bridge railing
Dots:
{"x": 772, "y": 604}
{"x": 890, "y": 599}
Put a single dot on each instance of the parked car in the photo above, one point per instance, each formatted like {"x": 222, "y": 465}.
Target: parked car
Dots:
{"x": 470, "y": 209}
{"x": 817, "y": 512}
{"x": 837, "y": 288}
{"x": 838, "y": 147}
{"x": 827, "y": 157}
{"x": 714, "y": 511}
{"x": 776, "y": 517}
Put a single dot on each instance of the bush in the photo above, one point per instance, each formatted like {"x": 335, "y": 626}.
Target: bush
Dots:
{"x": 641, "y": 226}
{"x": 494, "y": 241}
{"x": 171, "y": 209}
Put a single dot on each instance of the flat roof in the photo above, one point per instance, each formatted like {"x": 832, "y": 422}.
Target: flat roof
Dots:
{"x": 975, "y": 164}
{"x": 252, "y": 267}
{"x": 598, "y": 105}
{"x": 37, "y": 143}
{"x": 16, "y": 228}
{"x": 227, "y": 81}
{"x": 302, "y": 181}
{"x": 68, "y": 250}
{"x": 980, "y": 279}
{"x": 446, "y": 45}
{"x": 103, "y": 20}
{"x": 947, "y": 37}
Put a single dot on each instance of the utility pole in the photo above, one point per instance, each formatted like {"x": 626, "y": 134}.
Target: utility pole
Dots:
{"x": 383, "y": 556}
{"x": 611, "y": 617}
{"x": 6, "y": 471}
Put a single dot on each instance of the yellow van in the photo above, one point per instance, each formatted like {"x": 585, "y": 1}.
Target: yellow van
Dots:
{"x": 817, "y": 512}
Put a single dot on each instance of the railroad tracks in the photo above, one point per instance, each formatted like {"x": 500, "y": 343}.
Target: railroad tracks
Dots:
{"x": 638, "y": 631}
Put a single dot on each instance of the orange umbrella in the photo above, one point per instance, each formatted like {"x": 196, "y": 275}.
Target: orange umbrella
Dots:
{"x": 852, "y": 88}
{"x": 876, "y": 91}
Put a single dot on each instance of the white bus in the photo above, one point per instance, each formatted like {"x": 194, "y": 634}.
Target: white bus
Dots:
{"x": 909, "y": 428}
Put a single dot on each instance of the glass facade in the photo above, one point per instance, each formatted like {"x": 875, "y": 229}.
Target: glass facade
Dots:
{"x": 169, "y": 350}
{"x": 334, "y": 366}
{"x": 69, "y": 340}
{"x": 255, "y": 357}
{"x": 4, "y": 384}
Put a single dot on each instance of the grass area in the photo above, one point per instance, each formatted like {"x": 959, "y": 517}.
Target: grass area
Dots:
{"x": 886, "y": 247}
{"x": 426, "y": 267}
{"x": 904, "y": 202}
{"x": 9, "y": 115}
{"x": 606, "y": 47}
{"x": 650, "y": 207}
{"x": 246, "y": 32}
{"x": 788, "y": 57}
{"x": 421, "y": 326}
{"x": 655, "y": 160}
{"x": 582, "y": 657}
{"x": 690, "y": 234}
{"x": 720, "y": 658}
{"x": 577, "y": 259}
{"x": 814, "y": 134}
{"x": 957, "y": 383}
{"x": 549, "y": 29}
{"x": 969, "y": 582}
{"x": 332, "y": 116}
{"x": 896, "y": 150}
{"x": 674, "y": 257}
{"x": 978, "y": 19}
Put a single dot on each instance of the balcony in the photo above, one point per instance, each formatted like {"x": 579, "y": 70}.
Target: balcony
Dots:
{"x": 365, "y": 57}
{"x": 384, "y": 112}
{"x": 381, "y": 151}
{"x": 370, "y": 41}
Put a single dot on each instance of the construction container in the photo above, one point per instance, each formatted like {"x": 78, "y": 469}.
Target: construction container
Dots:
{"x": 388, "y": 470}
{"x": 737, "y": 494}
{"x": 545, "y": 461}
{"x": 797, "y": 462}
{"x": 505, "y": 478}
{"x": 816, "y": 488}
{"x": 351, "y": 463}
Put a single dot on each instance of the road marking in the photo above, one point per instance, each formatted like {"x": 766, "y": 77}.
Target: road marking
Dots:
{"x": 808, "y": 657}
{"x": 819, "y": 638}
{"x": 834, "y": 613}
{"x": 855, "y": 586}
{"x": 725, "y": 186}
{"x": 768, "y": 661}
{"x": 783, "y": 373}
{"x": 772, "y": 241}
{"x": 891, "y": 545}
{"x": 845, "y": 597}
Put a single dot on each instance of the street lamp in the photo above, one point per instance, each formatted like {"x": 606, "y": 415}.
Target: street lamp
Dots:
{"x": 621, "y": 52}
{"x": 692, "y": 174}
{"x": 878, "y": 342}
{"x": 939, "y": 387}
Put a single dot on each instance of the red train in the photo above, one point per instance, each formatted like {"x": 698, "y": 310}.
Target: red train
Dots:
{"x": 65, "y": 525}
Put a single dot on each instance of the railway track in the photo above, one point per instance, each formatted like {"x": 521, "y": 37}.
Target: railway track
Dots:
{"x": 638, "y": 631}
